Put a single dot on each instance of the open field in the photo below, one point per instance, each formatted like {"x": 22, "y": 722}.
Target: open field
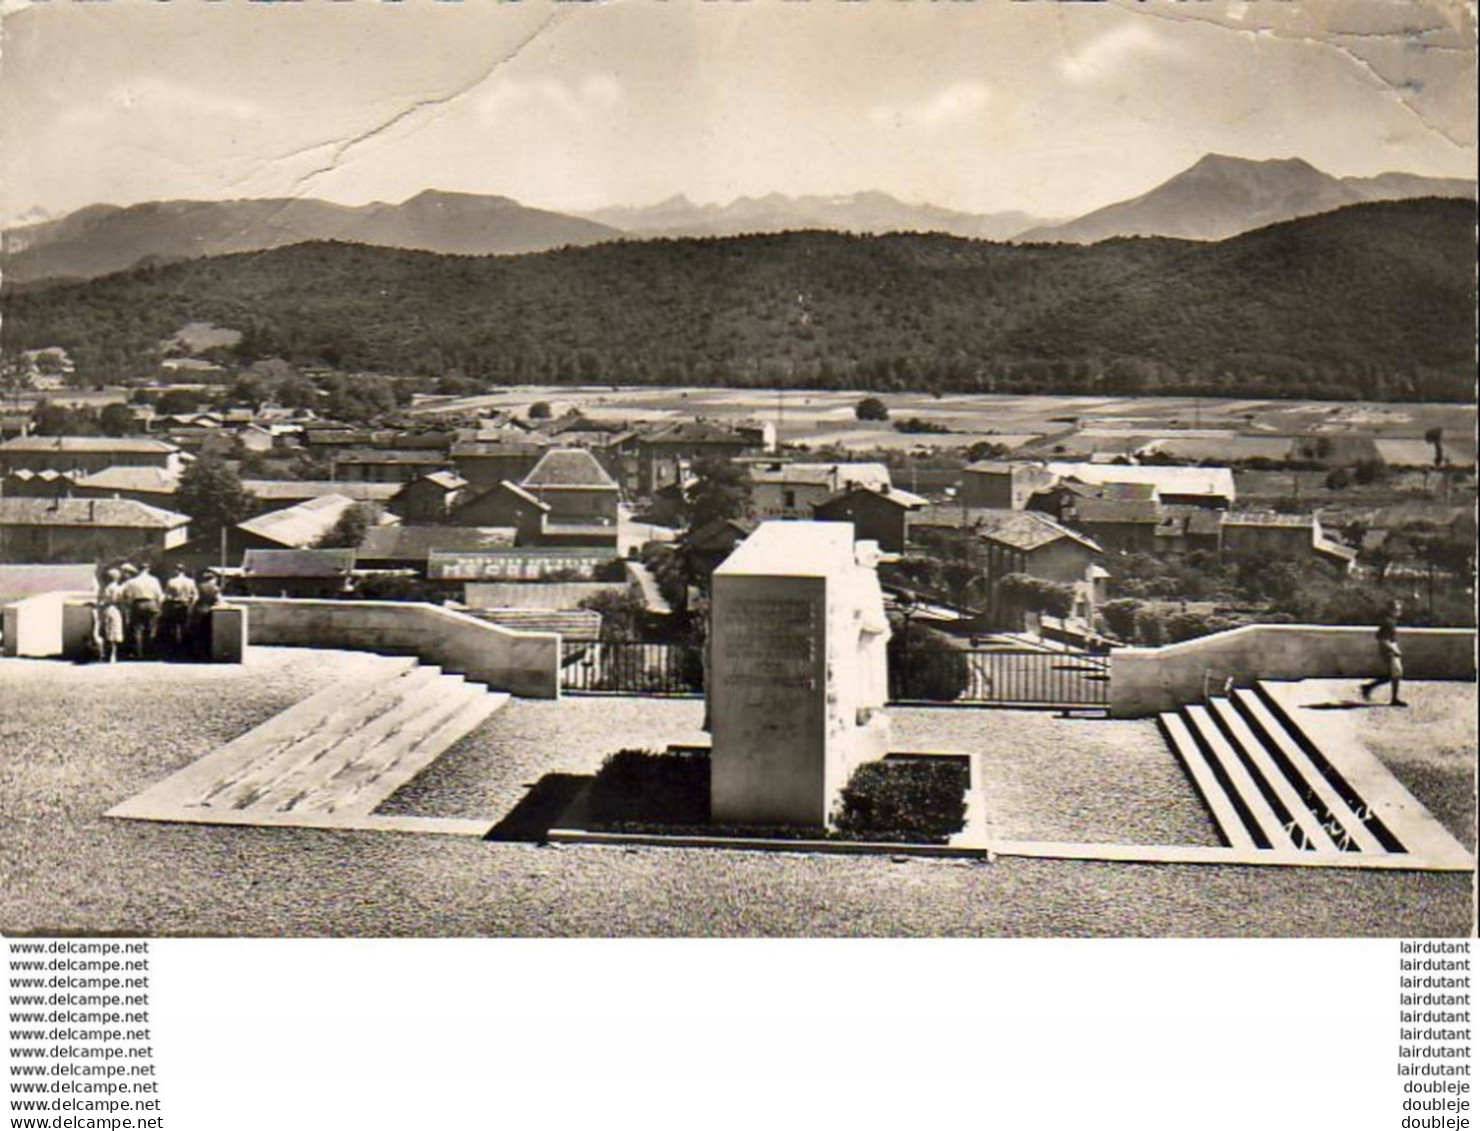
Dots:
{"x": 75, "y": 741}
{"x": 815, "y": 417}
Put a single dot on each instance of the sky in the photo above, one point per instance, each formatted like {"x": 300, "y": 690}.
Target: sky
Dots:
{"x": 979, "y": 105}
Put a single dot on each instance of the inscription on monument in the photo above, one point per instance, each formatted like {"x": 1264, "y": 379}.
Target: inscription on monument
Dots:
{"x": 771, "y": 643}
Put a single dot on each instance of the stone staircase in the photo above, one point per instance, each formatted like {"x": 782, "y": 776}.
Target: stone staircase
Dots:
{"x": 1272, "y": 788}
{"x": 331, "y": 760}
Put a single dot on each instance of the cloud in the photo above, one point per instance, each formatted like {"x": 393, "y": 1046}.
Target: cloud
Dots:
{"x": 154, "y": 96}
{"x": 575, "y": 101}
{"x": 1112, "y": 53}
{"x": 955, "y": 103}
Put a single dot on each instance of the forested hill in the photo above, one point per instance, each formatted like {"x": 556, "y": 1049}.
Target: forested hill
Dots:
{"x": 1375, "y": 300}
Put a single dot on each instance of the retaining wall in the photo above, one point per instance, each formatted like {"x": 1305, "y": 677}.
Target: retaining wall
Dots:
{"x": 521, "y": 663}
{"x": 1146, "y": 681}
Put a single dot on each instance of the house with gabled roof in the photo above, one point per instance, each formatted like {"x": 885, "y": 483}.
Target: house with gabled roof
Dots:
{"x": 506, "y": 505}
{"x": 877, "y": 516}
{"x": 429, "y": 498}
{"x": 87, "y": 453}
{"x": 297, "y": 573}
{"x": 43, "y": 530}
{"x": 298, "y": 527}
{"x": 576, "y": 488}
{"x": 152, "y": 485}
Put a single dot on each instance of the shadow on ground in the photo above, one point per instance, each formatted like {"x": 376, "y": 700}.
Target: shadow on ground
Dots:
{"x": 532, "y": 819}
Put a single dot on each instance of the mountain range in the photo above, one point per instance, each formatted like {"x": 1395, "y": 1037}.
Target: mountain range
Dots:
{"x": 1373, "y": 300}
{"x": 1216, "y": 198}
{"x": 1223, "y": 196}
{"x": 863, "y": 213}
{"x": 106, "y": 238}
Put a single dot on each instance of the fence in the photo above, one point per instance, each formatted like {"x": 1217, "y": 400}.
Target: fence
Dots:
{"x": 1003, "y": 677}
{"x": 632, "y": 667}
{"x": 1016, "y": 677}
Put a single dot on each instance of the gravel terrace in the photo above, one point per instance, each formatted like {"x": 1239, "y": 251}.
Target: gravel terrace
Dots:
{"x": 1430, "y": 748}
{"x": 76, "y": 740}
{"x": 1045, "y": 777}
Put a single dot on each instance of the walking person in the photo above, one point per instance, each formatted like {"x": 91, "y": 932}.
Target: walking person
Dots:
{"x": 1392, "y": 656}
{"x": 180, "y": 595}
{"x": 108, "y": 616}
{"x": 145, "y": 597}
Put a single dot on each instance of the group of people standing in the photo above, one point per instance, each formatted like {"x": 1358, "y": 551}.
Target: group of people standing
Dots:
{"x": 139, "y": 616}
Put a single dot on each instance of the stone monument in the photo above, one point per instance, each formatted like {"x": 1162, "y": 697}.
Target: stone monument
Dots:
{"x": 798, "y": 673}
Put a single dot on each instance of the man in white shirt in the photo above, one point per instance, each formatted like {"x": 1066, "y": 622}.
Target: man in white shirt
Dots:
{"x": 144, "y": 596}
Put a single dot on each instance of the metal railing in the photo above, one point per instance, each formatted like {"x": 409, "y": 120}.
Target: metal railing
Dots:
{"x": 1006, "y": 677}
{"x": 632, "y": 668}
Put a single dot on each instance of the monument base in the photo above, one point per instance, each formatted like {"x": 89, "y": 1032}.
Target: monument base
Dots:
{"x": 228, "y": 635}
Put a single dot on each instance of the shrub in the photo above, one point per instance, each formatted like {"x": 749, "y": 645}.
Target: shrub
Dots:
{"x": 871, "y": 408}
{"x": 1120, "y": 617}
{"x": 918, "y": 801}
{"x": 394, "y": 587}
{"x": 924, "y": 665}
{"x": 651, "y": 787}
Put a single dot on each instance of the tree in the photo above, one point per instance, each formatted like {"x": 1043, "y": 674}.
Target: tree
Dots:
{"x": 871, "y": 408}
{"x": 212, "y": 495}
{"x": 116, "y": 419}
{"x": 350, "y": 528}
{"x": 1120, "y": 616}
{"x": 621, "y": 614}
{"x": 178, "y": 402}
{"x": 51, "y": 419}
{"x": 540, "y": 410}
{"x": 720, "y": 489}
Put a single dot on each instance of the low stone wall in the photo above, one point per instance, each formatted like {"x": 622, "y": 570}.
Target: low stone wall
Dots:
{"x": 522, "y": 663}
{"x": 1146, "y": 681}
{"x": 37, "y": 625}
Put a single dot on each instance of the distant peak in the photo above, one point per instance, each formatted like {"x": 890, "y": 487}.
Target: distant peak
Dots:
{"x": 1219, "y": 162}
{"x": 446, "y": 196}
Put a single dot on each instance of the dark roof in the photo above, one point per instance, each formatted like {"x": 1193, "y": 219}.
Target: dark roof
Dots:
{"x": 88, "y": 512}
{"x": 447, "y": 480}
{"x": 472, "y": 449}
{"x": 378, "y": 455}
{"x": 569, "y": 467}
{"x": 297, "y": 563}
{"x": 1026, "y": 530}
{"x": 694, "y": 432}
{"x": 414, "y": 543}
{"x": 1093, "y": 509}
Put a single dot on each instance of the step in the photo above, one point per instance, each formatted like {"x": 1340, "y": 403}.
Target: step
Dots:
{"x": 191, "y": 784}
{"x": 421, "y": 753}
{"x": 1225, "y": 816}
{"x": 1399, "y": 820}
{"x": 364, "y": 745}
{"x": 1272, "y": 730}
{"x": 366, "y": 758}
{"x": 1267, "y": 826}
{"x": 1316, "y": 837}
{"x": 316, "y": 744}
